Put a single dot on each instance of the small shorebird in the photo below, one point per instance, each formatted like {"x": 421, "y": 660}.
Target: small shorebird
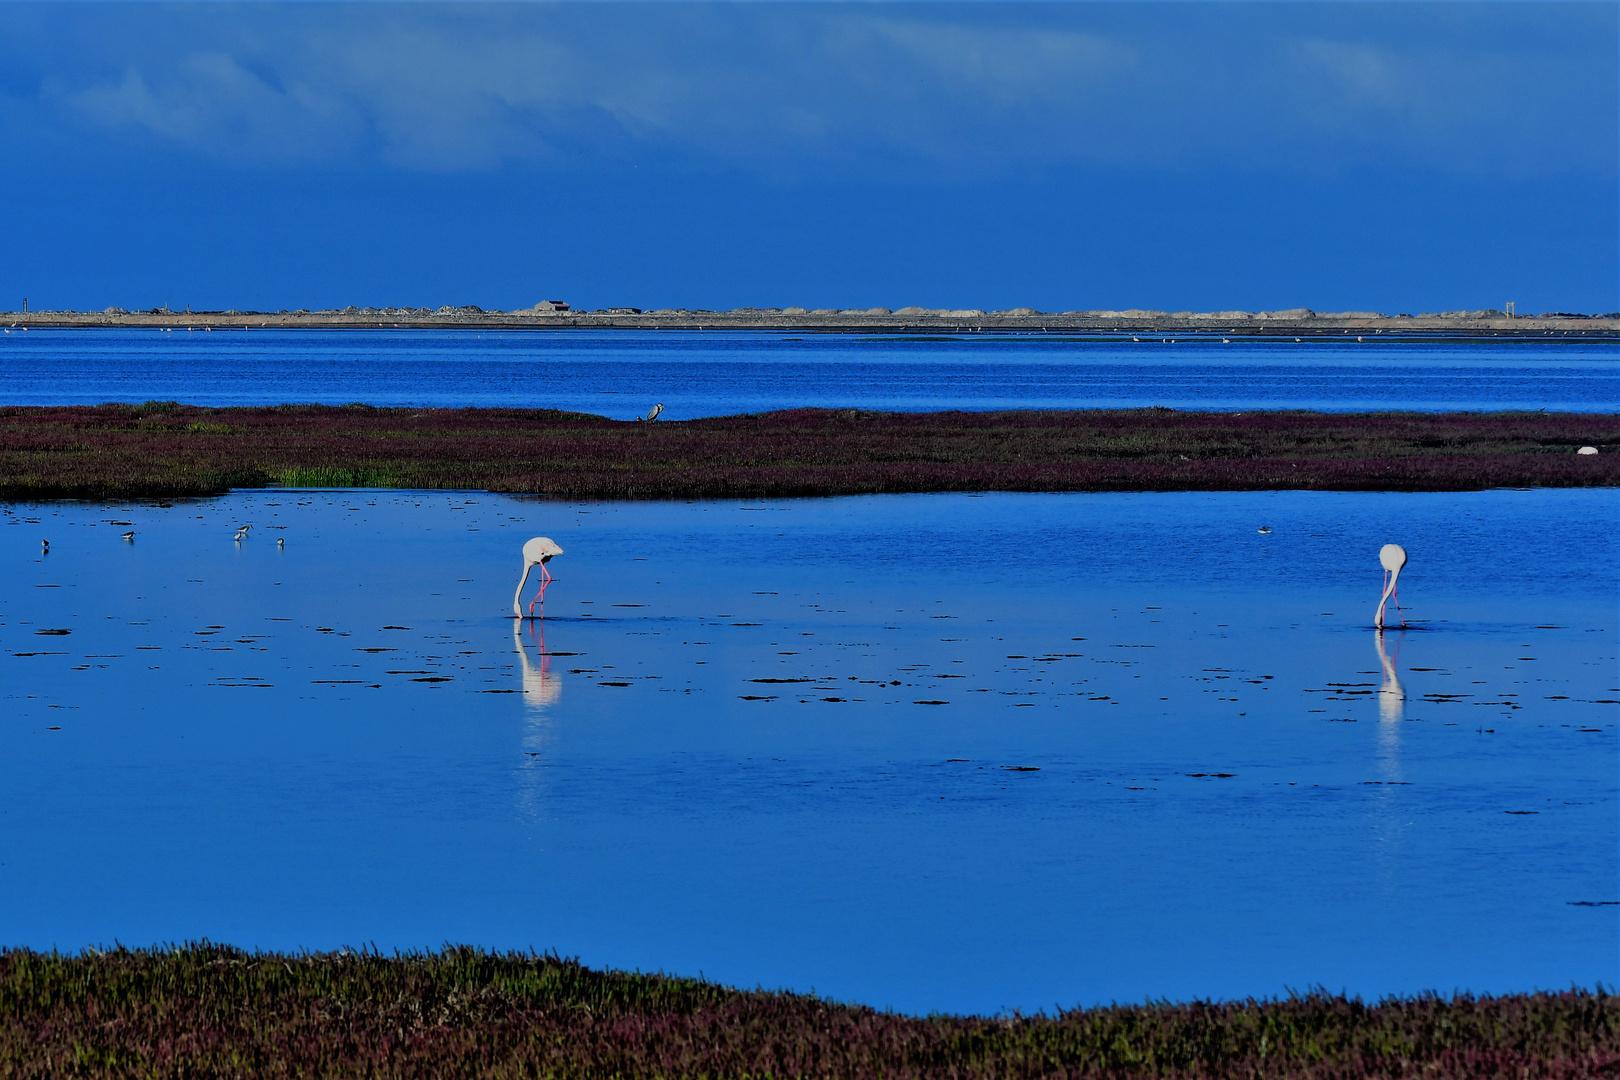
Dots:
{"x": 537, "y": 552}
{"x": 241, "y": 534}
{"x": 281, "y": 541}
{"x": 129, "y": 536}
{"x": 44, "y": 547}
{"x": 1264, "y": 529}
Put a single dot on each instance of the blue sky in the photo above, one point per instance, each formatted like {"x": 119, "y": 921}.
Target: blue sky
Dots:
{"x": 1363, "y": 156}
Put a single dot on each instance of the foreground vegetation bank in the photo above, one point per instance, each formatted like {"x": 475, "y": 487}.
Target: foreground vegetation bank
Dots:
{"x": 161, "y": 449}
{"x": 207, "y": 1010}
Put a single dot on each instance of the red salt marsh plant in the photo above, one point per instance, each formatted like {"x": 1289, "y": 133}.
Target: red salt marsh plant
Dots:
{"x": 163, "y": 449}
{"x": 207, "y": 1010}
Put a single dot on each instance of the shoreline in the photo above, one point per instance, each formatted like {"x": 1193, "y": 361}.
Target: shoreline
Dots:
{"x": 1297, "y": 323}
{"x": 204, "y": 1009}
{"x": 165, "y": 450}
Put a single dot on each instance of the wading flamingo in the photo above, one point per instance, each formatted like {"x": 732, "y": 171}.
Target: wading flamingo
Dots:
{"x": 536, "y": 552}
{"x": 1392, "y": 557}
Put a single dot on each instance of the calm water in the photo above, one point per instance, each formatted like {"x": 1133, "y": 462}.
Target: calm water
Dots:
{"x": 621, "y": 374}
{"x": 933, "y": 752}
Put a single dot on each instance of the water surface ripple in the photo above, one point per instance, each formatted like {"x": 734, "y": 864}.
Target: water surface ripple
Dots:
{"x": 952, "y": 752}
{"x": 622, "y": 373}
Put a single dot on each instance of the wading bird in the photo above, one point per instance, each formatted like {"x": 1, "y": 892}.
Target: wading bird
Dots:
{"x": 130, "y": 536}
{"x": 536, "y": 552}
{"x": 1391, "y": 557}
{"x": 652, "y": 414}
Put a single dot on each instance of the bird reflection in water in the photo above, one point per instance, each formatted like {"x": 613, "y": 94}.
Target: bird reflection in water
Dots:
{"x": 541, "y": 688}
{"x": 1391, "y": 696}
{"x": 1391, "y": 710}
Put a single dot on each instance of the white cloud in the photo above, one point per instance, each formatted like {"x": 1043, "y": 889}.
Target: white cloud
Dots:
{"x": 805, "y": 87}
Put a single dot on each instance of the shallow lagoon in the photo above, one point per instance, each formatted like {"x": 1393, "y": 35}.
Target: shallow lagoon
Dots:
{"x": 933, "y": 752}
{"x": 621, "y": 373}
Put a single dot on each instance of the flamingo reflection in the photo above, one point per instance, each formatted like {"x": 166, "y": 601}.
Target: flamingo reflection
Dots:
{"x": 1391, "y": 696}
{"x": 541, "y": 688}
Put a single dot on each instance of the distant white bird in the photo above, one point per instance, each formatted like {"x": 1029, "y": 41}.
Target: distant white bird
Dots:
{"x": 1587, "y": 450}
{"x": 244, "y": 528}
{"x": 1264, "y": 529}
{"x": 1391, "y": 557}
{"x": 241, "y": 534}
{"x": 537, "y": 552}
{"x": 130, "y": 536}
{"x": 652, "y": 414}
{"x": 44, "y": 547}
{"x": 281, "y": 541}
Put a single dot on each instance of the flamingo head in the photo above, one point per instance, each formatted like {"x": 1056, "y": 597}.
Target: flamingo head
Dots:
{"x": 540, "y": 550}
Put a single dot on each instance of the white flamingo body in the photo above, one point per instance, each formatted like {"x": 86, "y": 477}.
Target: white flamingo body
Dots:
{"x": 1391, "y": 557}
{"x": 537, "y": 552}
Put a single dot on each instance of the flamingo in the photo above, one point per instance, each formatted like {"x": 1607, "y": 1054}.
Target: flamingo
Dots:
{"x": 1391, "y": 557}
{"x": 537, "y": 552}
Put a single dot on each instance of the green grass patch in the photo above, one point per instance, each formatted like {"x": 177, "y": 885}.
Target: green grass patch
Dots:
{"x": 332, "y": 476}
{"x": 164, "y": 449}
{"x": 204, "y": 1010}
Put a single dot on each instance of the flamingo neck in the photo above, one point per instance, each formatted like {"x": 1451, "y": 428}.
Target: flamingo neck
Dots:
{"x": 517, "y": 597}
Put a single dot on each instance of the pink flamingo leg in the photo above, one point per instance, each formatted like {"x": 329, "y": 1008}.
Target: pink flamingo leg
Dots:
{"x": 540, "y": 597}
